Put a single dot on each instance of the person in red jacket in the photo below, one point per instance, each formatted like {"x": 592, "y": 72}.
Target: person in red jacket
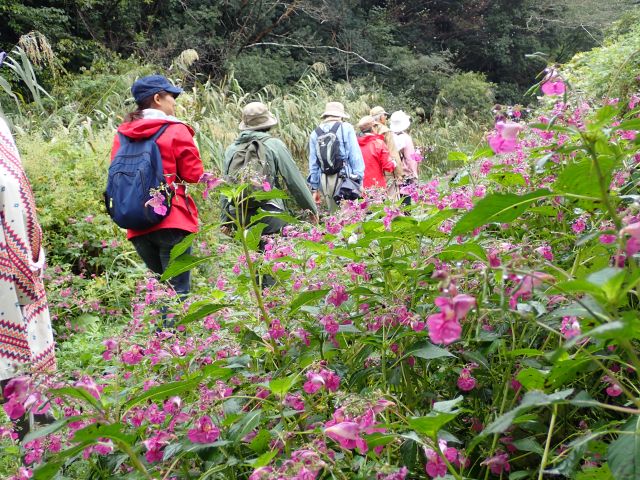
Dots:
{"x": 155, "y": 97}
{"x": 375, "y": 153}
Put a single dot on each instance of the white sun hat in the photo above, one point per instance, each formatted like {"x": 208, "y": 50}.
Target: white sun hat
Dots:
{"x": 399, "y": 121}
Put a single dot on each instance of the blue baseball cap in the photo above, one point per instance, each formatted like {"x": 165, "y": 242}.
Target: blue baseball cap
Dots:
{"x": 150, "y": 85}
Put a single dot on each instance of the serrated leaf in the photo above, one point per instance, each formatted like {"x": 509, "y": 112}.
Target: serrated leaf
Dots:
{"x": 183, "y": 263}
{"x": 497, "y": 208}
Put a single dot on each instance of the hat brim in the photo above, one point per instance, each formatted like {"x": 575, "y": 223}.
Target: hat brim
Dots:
{"x": 400, "y": 126}
{"x": 269, "y": 123}
{"x": 173, "y": 90}
{"x": 334, "y": 113}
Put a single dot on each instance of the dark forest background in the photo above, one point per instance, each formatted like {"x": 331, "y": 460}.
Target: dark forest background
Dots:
{"x": 414, "y": 49}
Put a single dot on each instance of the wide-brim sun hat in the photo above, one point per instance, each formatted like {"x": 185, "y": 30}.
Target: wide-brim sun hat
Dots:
{"x": 150, "y": 85}
{"x": 334, "y": 109}
{"x": 256, "y": 116}
{"x": 366, "y": 123}
{"x": 399, "y": 121}
{"x": 377, "y": 111}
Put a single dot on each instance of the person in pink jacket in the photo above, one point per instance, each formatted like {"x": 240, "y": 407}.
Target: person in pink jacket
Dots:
{"x": 155, "y": 97}
{"x": 375, "y": 154}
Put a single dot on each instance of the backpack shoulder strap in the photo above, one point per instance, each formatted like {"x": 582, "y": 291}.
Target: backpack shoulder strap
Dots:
{"x": 160, "y": 131}
{"x": 336, "y": 126}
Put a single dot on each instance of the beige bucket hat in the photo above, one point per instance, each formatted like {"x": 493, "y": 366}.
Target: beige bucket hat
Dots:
{"x": 334, "y": 109}
{"x": 256, "y": 116}
{"x": 377, "y": 111}
{"x": 366, "y": 123}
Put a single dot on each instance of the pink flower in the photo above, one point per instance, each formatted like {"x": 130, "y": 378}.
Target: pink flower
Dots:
{"x": 205, "y": 431}
{"x": 526, "y": 286}
{"x": 545, "y": 251}
{"x": 505, "y": 140}
{"x": 578, "y": 225}
{"x": 210, "y": 181}
{"x": 390, "y": 214}
{"x": 570, "y": 327}
{"x": 444, "y": 327}
{"x": 157, "y": 203}
{"x": 87, "y": 383}
{"x": 266, "y": 186}
{"x": 498, "y": 464}
{"x": 23, "y": 473}
{"x": 345, "y": 433}
{"x": 613, "y": 390}
{"x": 338, "y": 295}
{"x": 294, "y": 400}
{"x": 436, "y": 467}
{"x": 466, "y": 382}
{"x": 553, "y": 87}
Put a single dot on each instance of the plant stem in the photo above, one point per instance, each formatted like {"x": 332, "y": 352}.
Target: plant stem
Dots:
{"x": 547, "y": 445}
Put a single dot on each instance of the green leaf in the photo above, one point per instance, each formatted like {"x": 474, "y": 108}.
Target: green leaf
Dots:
{"x": 183, "y": 263}
{"x": 182, "y": 246}
{"x": 633, "y": 124}
{"x": 51, "y": 428}
{"x": 266, "y": 214}
{"x": 201, "y": 312}
{"x": 307, "y": 297}
{"x": 457, "y": 157}
{"x": 468, "y": 250}
{"x": 252, "y": 236}
{"x": 448, "y": 405}
{"x": 580, "y": 178}
{"x": 530, "y": 400}
{"x": 624, "y": 453}
{"x": 531, "y": 379}
{"x": 598, "y": 473}
{"x": 431, "y": 424}
{"x": 49, "y": 469}
{"x": 497, "y": 208}
{"x": 246, "y": 424}
{"x": 78, "y": 393}
{"x": 260, "y": 442}
{"x": 428, "y": 351}
{"x": 272, "y": 194}
{"x": 280, "y": 386}
{"x": 508, "y": 179}
{"x": 162, "y": 391}
{"x": 565, "y": 371}
{"x": 264, "y": 459}
{"x": 92, "y": 432}
{"x": 529, "y": 444}
{"x": 610, "y": 280}
{"x": 378, "y": 439}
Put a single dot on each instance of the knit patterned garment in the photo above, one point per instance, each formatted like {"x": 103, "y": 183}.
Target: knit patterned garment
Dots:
{"x": 26, "y": 338}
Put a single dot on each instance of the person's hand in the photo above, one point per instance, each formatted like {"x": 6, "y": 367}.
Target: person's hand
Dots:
{"x": 316, "y": 197}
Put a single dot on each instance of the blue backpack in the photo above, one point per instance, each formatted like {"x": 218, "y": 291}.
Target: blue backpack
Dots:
{"x": 134, "y": 171}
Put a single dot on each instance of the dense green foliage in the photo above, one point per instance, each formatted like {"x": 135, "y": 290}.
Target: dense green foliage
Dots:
{"x": 409, "y": 47}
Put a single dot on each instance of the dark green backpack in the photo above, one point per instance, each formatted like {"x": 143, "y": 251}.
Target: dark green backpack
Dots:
{"x": 250, "y": 166}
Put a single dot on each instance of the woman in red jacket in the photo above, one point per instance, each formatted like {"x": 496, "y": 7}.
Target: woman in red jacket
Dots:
{"x": 375, "y": 154}
{"x": 155, "y": 97}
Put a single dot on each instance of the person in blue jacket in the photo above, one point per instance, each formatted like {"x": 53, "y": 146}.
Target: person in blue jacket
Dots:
{"x": 349, "y": 151}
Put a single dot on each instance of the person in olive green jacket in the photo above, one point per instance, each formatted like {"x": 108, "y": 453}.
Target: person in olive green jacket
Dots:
{"x": 255, "y": 125}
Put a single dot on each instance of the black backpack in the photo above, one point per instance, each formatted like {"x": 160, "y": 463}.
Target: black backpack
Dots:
{"x": 328, "y": 150}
